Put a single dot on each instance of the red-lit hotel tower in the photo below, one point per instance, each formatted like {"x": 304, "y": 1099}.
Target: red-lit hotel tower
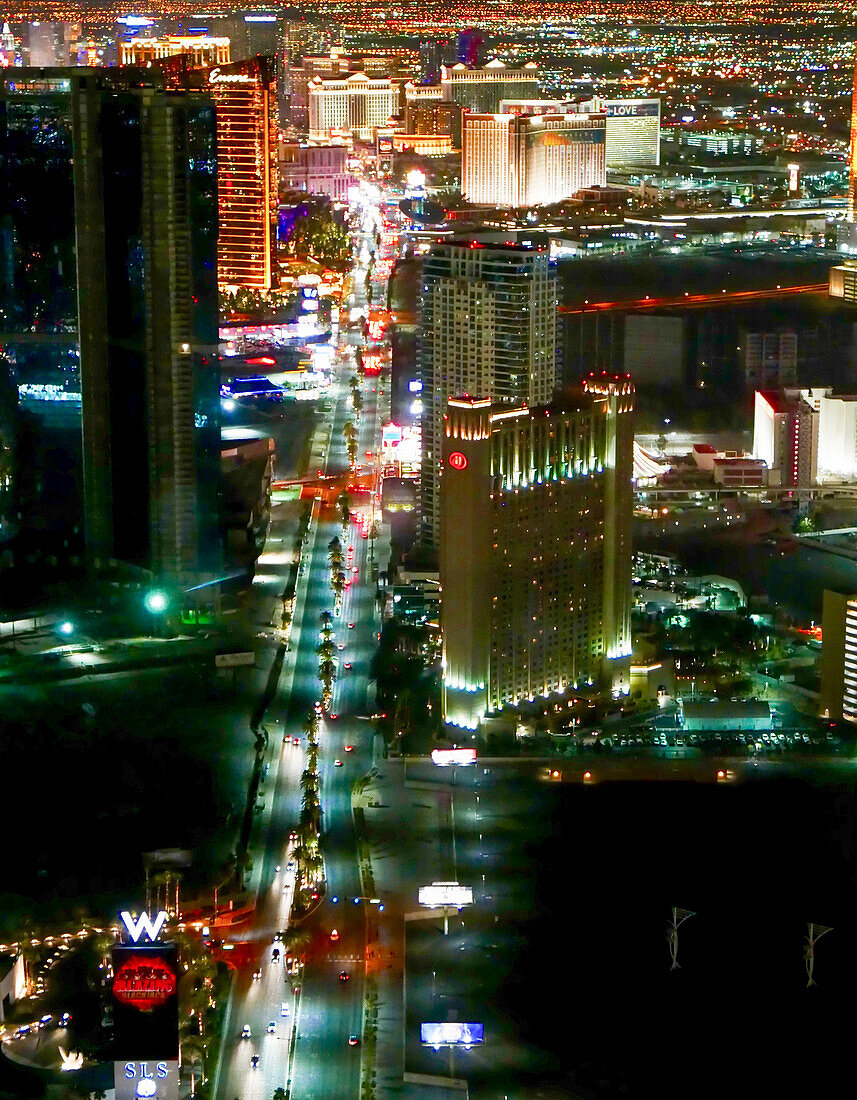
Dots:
{"x": 852, "y": 181}
{"x": 535, "y": 550}
{"x": 245, "y": 95}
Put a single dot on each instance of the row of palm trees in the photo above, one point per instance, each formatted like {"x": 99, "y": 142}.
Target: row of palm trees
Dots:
{"x": 326, "y": 665}
{"x": 349, "y": 434}
{"x": 337, "y": 573}
{"x": 356, "y": 395}
{"x": 306, "y": 852}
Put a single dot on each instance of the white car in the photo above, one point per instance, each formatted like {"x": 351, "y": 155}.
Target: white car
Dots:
{"x": 284, "y": 1011}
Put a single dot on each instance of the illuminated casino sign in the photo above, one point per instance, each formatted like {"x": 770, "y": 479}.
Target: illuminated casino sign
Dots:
{"x": 145, "y": 982}
{"x": 218, "y": 77}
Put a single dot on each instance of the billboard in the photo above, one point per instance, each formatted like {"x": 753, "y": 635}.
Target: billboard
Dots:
{"x": 445, "y": 757}
{"x": 446, "y": 893}
{"x": 146, "y": 1002}
{"x": 632, "y": 108}
{"x": 450, "y": 1034}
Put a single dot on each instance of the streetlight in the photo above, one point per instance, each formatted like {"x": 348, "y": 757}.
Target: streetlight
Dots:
{"x": 66, "y": 628}
{"x": 156, "y": 602}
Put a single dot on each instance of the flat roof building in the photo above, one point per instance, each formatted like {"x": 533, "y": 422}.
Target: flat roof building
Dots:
{"x": 535, "y": 549}
{"x": 481, "y": 90}
{"x": 350, "y": 107}
{"x": 199, "y": 49}
{"x": 838, "y": 664}
{"x": 245, "y": 95}
{"x": 633, "y": 132}
{"x": 531, "y": 159}
{"x": 722, "y": 714}
{"x": 488, "y": 325}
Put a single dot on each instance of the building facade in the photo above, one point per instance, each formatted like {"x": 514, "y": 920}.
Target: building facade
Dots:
{"x": 481, "y": 90}
{"x": 50, "y": 44}
{"x": 633, "y": 135}
{"x": 351, "y": 107}
{"x": 245, "y": 95}
{"x": 526, "y": 160}
{"x": 838, "y": 695}
{"x": 433, "y": 118}
{"x": 118, "y": 406}
{"x": 769, "y": 359}
{"x": 316, "y": 169}
{"x": 537, "y": 582}
{"x": 721, "y": 143}
{"x": 488, "y": 325}
{"x": 200, "y": 50}
{"x": 785, "y": 436}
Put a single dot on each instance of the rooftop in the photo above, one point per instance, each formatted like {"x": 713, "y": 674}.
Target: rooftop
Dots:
{"x": 725, "y": 709}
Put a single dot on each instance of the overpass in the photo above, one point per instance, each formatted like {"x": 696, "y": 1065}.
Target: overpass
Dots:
{"x": 688, "y": 300}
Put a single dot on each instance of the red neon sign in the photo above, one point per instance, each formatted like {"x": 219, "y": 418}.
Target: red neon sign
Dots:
{"x": 144, "y": 983}
{"x": 457, "y": 460}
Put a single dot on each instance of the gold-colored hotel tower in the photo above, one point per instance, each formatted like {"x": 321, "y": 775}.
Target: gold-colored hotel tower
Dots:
{"x": 535, "y": 549}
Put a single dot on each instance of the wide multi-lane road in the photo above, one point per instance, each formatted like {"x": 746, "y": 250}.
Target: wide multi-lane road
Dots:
{"x": 308, "y": 1049}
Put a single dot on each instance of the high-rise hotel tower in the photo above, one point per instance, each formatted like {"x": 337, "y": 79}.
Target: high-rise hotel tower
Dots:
{"x": 245, "y": 95}
{"x": 535, "y": 549}
{"x": 488, "y": 326}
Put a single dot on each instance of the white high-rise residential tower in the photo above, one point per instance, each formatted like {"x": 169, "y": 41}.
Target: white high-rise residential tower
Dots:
{"x": 488, "y": 326}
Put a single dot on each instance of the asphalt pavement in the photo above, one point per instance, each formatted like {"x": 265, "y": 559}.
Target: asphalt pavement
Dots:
{"x": 326, "y": 1011}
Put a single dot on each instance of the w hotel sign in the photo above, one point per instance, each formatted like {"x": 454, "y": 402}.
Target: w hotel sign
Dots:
{"x": 145, "y": 1012}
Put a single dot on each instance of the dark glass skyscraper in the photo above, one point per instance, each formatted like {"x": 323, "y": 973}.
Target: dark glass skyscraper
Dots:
{"x": 108, "y": 209}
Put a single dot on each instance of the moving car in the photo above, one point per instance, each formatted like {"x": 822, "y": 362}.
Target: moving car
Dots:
{"x": 337, "y": 763}
{"x": 245, "y": 1032}
{"x": 272, "y": 1027}
{"x": 254, "y": 1061}
{"x": 284, "y": 1009}
{"x": 344, "y": 976}
{"x": 349, "y": 748}
{"x": 353, "y": 1040}
{"x": 334, "y": 935}
{"x": 257, "y": 974}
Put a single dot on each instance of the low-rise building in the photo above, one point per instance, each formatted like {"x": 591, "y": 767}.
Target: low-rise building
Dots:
{"x": 316, "y": 169}
{"x": 725, "y": 715}
{"x": 13, "y": 982}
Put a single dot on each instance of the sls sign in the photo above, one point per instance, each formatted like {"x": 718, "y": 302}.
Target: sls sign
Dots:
{"x": 144, "y": 925}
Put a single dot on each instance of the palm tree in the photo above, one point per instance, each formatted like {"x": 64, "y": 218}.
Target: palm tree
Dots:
{"x": 327, "y": 674}
{"x": 309, "y": 781}
{"x": 325, "y": 649}
{"x": 296, "y": 940}
{"x": 344, "y": 501}
{"x": 326, "y": 620}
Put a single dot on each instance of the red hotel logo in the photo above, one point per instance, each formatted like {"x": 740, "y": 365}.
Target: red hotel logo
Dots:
{"x": 457, "y": 460}
{"x": 145, "y": 983}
